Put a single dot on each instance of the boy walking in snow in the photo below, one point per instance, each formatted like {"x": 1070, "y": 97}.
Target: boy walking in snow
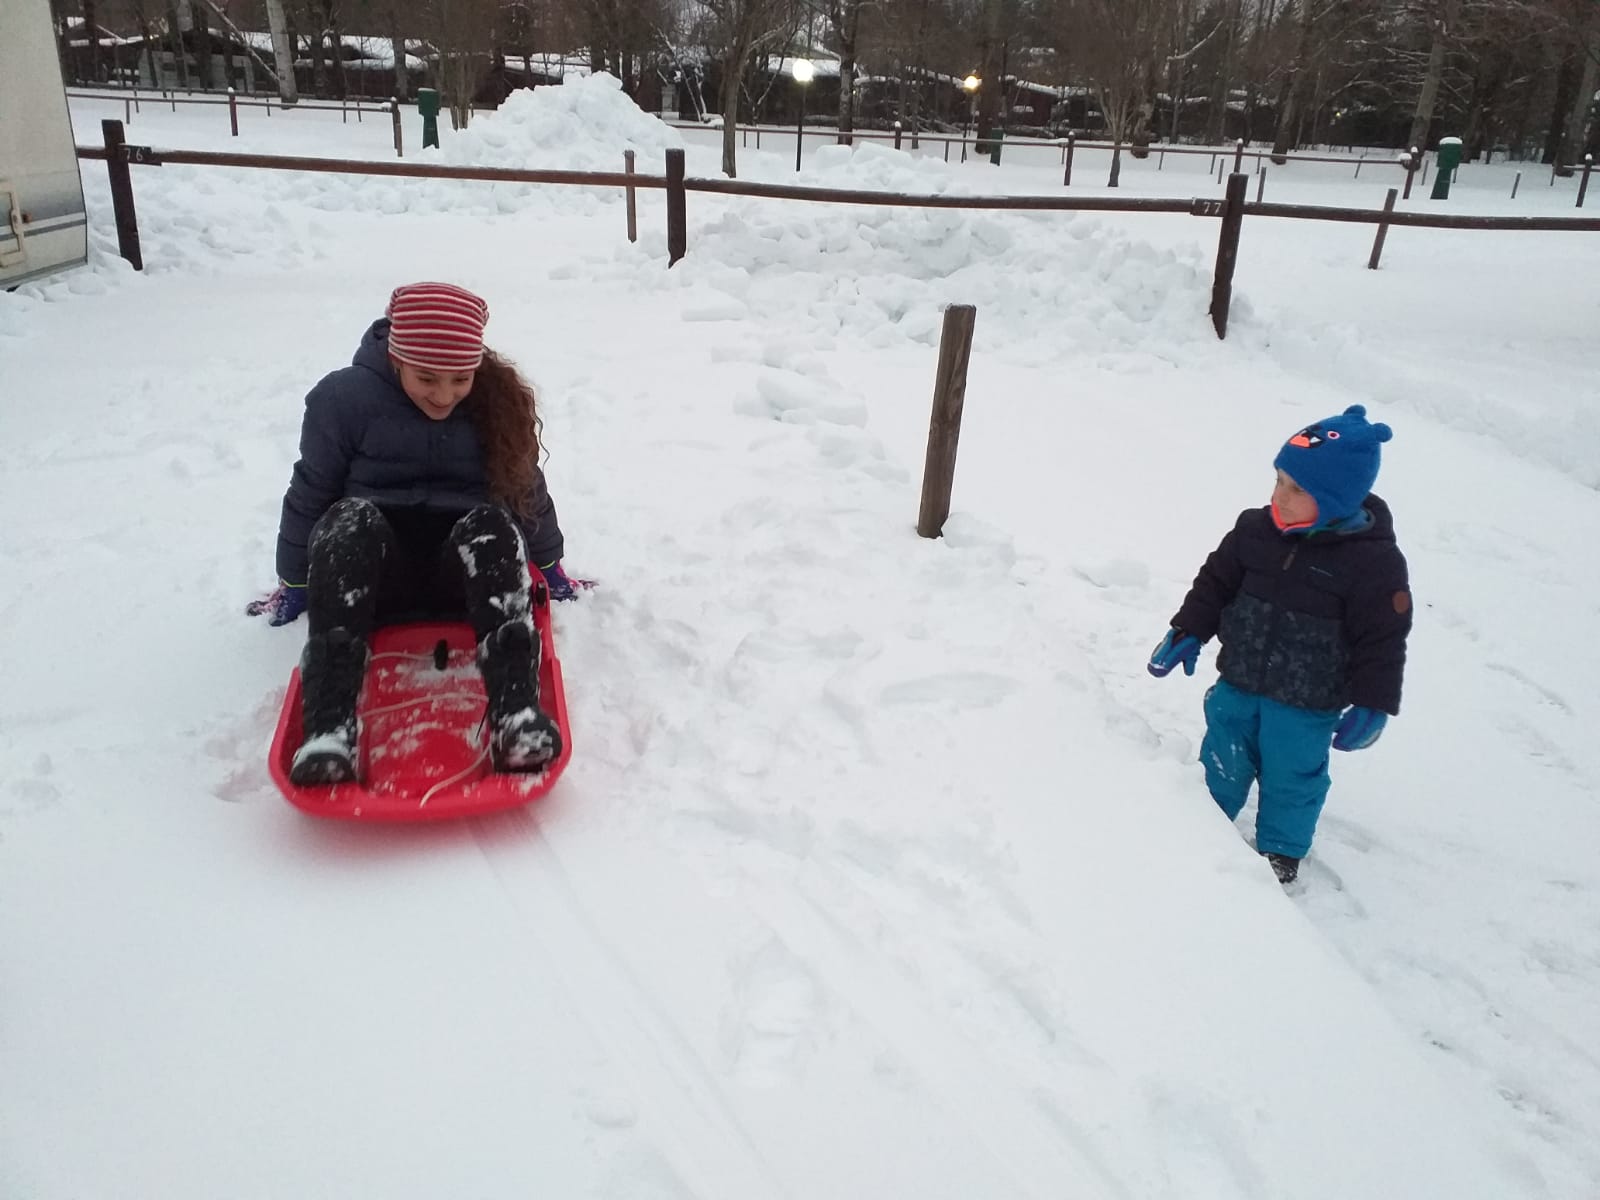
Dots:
{"x": 1310, "y": 600}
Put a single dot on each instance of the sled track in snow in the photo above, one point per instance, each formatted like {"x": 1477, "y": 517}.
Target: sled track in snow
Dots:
{"x": 621, "y": 1015}
{"x": 1029, "y": 1141}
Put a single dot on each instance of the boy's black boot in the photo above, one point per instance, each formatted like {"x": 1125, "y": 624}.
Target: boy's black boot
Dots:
{"x": 331, "y": 672}
{"x": 1284, "y": 867}
{"x": 522, "y": 737}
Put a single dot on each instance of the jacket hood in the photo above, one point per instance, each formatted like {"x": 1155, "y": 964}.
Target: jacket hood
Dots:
{"x": 373, "y": 353}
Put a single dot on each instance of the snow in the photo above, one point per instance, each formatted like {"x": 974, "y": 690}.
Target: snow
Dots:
{"x": 881, "y": 866}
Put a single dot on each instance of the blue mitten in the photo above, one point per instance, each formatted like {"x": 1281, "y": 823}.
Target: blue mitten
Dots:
{"x": 1177, "y": 647}
{"x": 286, "y": 602}
{"x": 561, "y": 585}
{"x": 1359, "y": 728}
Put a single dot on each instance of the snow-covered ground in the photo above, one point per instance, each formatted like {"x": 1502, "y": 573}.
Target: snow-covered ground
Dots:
{"x": 882, "y": 867}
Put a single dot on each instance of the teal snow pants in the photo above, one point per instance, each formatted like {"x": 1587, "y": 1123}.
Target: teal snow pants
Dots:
{"x": 1250, "y": 739}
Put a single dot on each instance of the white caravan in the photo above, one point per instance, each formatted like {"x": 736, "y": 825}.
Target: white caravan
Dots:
{"x": 43, "y": 228}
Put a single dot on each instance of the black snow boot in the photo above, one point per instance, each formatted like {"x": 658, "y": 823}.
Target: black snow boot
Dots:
{"x": 522, "y": 737}
{"x": 331, "y": 672}
{"x": 1284, "y": 867}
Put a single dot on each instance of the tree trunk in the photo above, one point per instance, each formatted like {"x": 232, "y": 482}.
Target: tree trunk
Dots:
{"x": 991, "y": 47}
{"x": 1578, "y": 119}
{"x": 1288, "y": 112}
{"x": 1222, "y": 86}
{"x": 397, "y": 47}
{"x": 282, "y": 52}
{"x": 846, "y": 18}
{"x": 180, "y": 58}
{"x": 1286, "y": 136}
{"x": 200, "y": 23}
{"x": 1555, "y": 143}
{"x": 91, "y": 29}
{"x": 732, "y": 69}
{"x": 1422, "y": 118}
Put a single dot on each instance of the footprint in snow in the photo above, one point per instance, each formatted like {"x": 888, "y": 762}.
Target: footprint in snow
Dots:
{"x": 770, "y": 1028}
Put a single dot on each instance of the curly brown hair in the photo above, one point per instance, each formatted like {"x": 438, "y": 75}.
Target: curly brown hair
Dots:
{"x": 505, "y": 412}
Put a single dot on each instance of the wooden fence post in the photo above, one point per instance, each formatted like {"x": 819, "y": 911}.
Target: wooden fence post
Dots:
{"x": 897, "y": 135}
{"x": 1261, "y": 183}
{"x": 1220, "y": 168}
{"x": 394, "y": 111}
{"x": 1411, "y": 171}
{"x": 677, "y": 209}
{"x": 233, "y": 112}
{"x": 1383, "y": 229}
{"x": 633, "y": 208}
{"x": 122, "y": 194}
{"x": 1072, "y": 145}
{"x": 1516, "y": 183}
{"x": 1583, "y": 185}
{"x": 1227, "y": 253}
{"x": 944, "y": 427}
{"x": 1238, "y": 155}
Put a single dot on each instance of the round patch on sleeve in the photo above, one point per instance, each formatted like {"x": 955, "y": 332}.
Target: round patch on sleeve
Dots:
{"x": 1402, "y": 602}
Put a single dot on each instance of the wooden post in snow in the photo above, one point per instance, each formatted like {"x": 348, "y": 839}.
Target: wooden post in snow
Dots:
{"x": 633, "y": 208}
{"x": 944, "y": 427}
{"x": 122, "y": 193}
{"x": 1383, "y": 230}
{"x": 677, "y": 209}
{"x": 1227, "y": 252}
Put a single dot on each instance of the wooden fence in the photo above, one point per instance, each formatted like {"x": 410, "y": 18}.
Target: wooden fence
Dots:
{"x": 1230, "y": 210}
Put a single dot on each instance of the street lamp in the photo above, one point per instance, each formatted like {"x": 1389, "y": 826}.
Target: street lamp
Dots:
{"x": 804, "y": 71}
{"x": 970, "y": 85}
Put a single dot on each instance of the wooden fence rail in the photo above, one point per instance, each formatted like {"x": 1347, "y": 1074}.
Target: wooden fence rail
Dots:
{"x": 118, "y": 156}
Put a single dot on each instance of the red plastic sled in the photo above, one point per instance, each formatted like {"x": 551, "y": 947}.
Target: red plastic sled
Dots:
{"x": 424, "y": 746}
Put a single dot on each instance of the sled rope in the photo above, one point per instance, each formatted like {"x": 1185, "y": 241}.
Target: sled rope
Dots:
{"x": 459, "y": 775}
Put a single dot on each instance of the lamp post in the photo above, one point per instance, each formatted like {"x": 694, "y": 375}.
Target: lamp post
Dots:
{"x": 804, "y": 71}
{"x": 969, "y": 85}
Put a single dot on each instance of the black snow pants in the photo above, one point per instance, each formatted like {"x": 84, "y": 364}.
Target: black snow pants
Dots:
{"x": 373, "y": 566}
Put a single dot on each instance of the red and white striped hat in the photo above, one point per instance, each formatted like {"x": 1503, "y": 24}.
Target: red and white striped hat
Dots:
{"x": 437, "y": 326}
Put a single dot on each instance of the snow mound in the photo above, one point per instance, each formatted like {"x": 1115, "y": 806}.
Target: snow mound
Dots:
{"x": 583, "y": 125}
{"x": 885, "y": 273}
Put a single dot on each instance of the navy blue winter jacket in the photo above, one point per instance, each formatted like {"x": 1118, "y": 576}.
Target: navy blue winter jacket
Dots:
{"x": 1317, "y": 620}
{"x": 363, "y": 437}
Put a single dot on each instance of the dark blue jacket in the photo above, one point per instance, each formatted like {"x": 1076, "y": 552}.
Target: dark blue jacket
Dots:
{"x": 362, "y": 436}
{"x": 1317, "y": 620}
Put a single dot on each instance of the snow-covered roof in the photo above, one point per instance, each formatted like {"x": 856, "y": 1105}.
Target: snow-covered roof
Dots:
{"x": 370, "y": 53}
{"x": 556, "y": 66}
{"x": 103, "y": 36}
{"x": 783, "y": 64}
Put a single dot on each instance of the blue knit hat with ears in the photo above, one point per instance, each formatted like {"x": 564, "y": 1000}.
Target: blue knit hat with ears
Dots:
{"x": 1335, "y": 461}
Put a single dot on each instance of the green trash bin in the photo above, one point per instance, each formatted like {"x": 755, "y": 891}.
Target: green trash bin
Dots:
{"x": 1449, "y": 160}
{"x": 428, "y": 106}
{"x": 996, "y": 137}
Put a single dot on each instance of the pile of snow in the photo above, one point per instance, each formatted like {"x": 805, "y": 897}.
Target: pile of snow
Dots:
{"x": 883, "y": 274}
{"x": 585, "y": 124}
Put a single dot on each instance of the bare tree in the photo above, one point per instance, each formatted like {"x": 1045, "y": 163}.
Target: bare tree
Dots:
{"x": 462, "y": 31}
{"x": 844, "y": 23}
{"x": 735, "y": 31}
{"x": 1443, "y": 21}
{"x": 282, "y": 52}
{"x": 1118, "y": 48}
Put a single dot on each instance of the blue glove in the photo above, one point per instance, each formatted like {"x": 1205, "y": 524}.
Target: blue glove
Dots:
{"x": 1177, "y": 647}
{"x": 1359, "y": 728}
{"x": 287, "y": 601}
{"x": 561, "y": 586}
